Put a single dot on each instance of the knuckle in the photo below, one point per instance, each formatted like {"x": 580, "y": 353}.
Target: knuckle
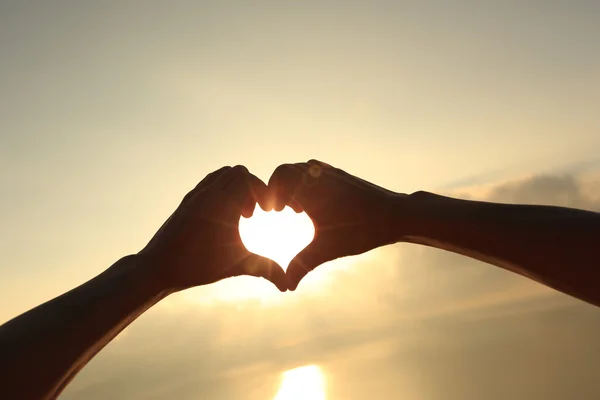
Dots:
{"x": 321, "y": 164}
{"x": 240, "y": 170}
{"x": 315, "y": 171}
{"x": 317, "y": 162}
{"x": 283, "y": 168}
{"x": 281, "y": 173}
{"x": 216, "y": 174}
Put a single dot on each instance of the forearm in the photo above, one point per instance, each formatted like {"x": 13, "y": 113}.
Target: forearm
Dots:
{"x": 43, "y": 349}
{"x": 556, "y": 246}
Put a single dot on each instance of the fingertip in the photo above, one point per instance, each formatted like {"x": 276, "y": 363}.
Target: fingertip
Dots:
{"x": 275, "y": 274}
{"x": 278, "y": 277}
{"x": 248, "y": 207}
{"x": 295, "y": 272}
{"x": 266, "y": 207}
{"x": 265, "y": 204}
{"x": 268, "y": 200}
{"x": 280, "y": 198}
{"x": 294, "y": 205}
{"x": 283, "y": 184}
{"x": 247, "y": 213}
{"x": 266, "y": 268}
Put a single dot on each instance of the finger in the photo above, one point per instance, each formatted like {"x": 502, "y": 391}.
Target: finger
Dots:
{"x": 248, "y": 207}
{"x": 307, "y": 260}
{"x": 263, "y": 198}
{"x": 284, "y": 184}
{"x": 314, "y": 171}
{"x": 230, "y": 175}
{"x": 294, "y": 205}
{"x": 255, "y": 265}
{"x": 266, "y": 202}
{"x": 258, "y": 190}
{"x": 207, "y": 181}
{"x": 212, "y": 177}
{"x": 235, "y": 187}
{"x": 243, "y": 189}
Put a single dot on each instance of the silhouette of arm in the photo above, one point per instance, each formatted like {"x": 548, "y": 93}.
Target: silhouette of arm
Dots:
{"x": 42, "y": 350}
{"x": 556, "y": 246}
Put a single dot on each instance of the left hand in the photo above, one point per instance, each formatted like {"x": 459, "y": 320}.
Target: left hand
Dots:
{"x": 200, "y": 243}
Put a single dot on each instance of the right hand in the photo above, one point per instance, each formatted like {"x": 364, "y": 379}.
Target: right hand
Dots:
{"x": 351, "y": 216}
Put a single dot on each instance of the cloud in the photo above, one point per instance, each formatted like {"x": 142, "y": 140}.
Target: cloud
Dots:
{"x": 558, "y": 190}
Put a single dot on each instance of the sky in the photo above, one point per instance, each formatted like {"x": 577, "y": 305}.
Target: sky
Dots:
{"x": 111, "y": 111}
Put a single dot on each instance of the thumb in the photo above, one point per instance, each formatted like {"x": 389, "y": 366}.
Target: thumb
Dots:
{"x": 262, "y": 267}
{"x": 304, "y": 262}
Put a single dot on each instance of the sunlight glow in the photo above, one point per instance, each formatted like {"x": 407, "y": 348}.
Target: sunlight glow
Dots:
{"x": 277, "y": 235}
{"x": 303, "y": 383}
{"x": 280, "y": 236}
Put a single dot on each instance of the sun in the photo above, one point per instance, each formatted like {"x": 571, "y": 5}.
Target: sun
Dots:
{"x": 303, "y": 383}
{"x": 277, "y": 235}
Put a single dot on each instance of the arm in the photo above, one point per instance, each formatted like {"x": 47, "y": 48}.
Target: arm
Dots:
{"x": 42, "y": 350}
{"x": 555, "y": 246}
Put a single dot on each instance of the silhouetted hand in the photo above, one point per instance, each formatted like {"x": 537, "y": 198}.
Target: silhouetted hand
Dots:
{"x": 351, "y": 216}
{"x": 200, "y": 243}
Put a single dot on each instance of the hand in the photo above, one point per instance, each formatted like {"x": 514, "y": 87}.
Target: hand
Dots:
{"x": 200, "y": 243}
{"x": 351, "y": 216}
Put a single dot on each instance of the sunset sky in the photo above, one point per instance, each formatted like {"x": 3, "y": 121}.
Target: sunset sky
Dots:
{"x": 111, "y": 111}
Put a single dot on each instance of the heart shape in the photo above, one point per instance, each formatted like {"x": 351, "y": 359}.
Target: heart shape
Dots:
{"x": 277, "y": 235}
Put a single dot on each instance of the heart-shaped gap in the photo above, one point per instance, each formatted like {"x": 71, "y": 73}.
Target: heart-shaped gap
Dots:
{"x": 277, "y": 235}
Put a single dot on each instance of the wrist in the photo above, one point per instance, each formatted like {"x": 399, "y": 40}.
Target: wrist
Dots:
{"x": 150, "y": 274}
{"x": 410, "y": 215}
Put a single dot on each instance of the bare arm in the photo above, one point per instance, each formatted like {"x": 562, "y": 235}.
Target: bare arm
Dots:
{"x": 556, "y": 246}
{"x": 42, "y": 350}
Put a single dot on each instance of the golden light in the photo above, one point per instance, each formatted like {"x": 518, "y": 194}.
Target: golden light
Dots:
{"x": 277, "y": 235}
{"x": 303, "y": 383}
